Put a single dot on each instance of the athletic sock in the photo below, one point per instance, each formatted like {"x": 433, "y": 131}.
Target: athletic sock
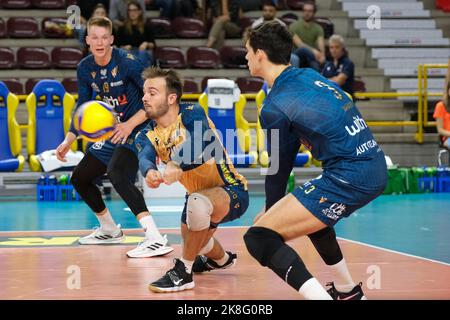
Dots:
{"x": 220, "y": 262}
{"x": 187, "y": 264}
{"x": 343, "y": 280}
{"x": 313, "y": 290}
{"x": 107, "y": 223}
{"x": 149, "y": 226}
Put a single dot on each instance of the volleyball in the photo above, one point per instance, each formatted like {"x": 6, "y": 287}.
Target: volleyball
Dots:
{"x": 94, "y": 120}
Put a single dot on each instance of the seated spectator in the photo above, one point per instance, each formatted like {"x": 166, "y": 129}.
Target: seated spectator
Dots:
{"x": 442, "y": 116}
{"x": 99, "y": 11}
{"x": 135, "y": 35}
{"x": 184, "y": 8}
{"x": 308, "y": 37}
{"x": 164, "y": 6}
{"x": 226, "y": 14}
{"x": 269, "y": 11}
{"x": 340, "y": 68}
{"x": 118, "y": 11}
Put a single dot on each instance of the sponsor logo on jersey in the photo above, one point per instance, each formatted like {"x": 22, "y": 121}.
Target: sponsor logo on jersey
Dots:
{"x": 334, "y": 211}
{"x": 130, "y": 56}
{"x": 117, "y": 83}
{"x": 93, "y": 74}
{"x": 98, "y": 145}
{"x": 366, "y": 146}
{"x": 322, "y": 200}
{"x": 95, "y": 87}
{"x": 358, "y": 125}
{"x": 114, "y": 71}
{"x": 105, "y": 87}
{"x": 115, "y": 102}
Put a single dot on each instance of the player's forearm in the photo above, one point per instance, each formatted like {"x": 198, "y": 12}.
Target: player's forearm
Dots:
{"x": 70, "y": 138}
{"x": 137, "y": 119}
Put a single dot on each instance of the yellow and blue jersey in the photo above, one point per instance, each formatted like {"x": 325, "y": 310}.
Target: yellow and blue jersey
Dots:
{"x": 204, "y": 161}
{"x": 308, "y": 109}
{"x": 119, "y": 84}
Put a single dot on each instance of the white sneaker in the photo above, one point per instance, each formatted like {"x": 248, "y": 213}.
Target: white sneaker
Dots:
{"x": 101, "y": 237}
{"x": 150, "y": 248}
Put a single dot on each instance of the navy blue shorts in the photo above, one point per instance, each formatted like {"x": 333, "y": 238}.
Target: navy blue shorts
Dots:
{"x": 103, "y": 150}
{"x": 239, "y": 200}
{"x": 330, "y": 200}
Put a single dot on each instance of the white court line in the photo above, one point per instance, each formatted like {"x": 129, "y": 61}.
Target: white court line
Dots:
{"x": 394, "y": 251}
{"x": 242, "y": 227}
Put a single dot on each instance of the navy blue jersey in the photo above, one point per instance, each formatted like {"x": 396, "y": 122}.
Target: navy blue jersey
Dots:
{"x": 308, "y": 109}
{"x": 119, "y": 84}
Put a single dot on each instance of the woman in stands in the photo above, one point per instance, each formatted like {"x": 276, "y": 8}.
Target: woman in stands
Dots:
{"x": 442, "y": 116}
{"x": 136, "y": 36}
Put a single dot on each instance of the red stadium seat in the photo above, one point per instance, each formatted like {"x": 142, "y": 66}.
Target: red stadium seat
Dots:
{"x": 66, "y": 58}
{"x": 48, "y": 4}
{"x": 6, "y": 58}
{"x": 189, "y": 27}
{"x": 30, "y": 83}
{"x": 246, "y": 22}
{"x": 190, "y": 86}
{"x": 162, "y": 28}
{"x": 289, "y": 18}
{"x": 203, "y": 57}
{"x": 23, "y": 27}
{"x": 233, "y": 57}
{"x": 282, "y": 5}
{"x": 359, "y": 85}
{"x": 2, "y": 28}
{"x": 14, "y": 85}
{"x": 327, "y": 26}
{"x": 70, "y": 84}
{"x": 16, "y": 4}
{"x": 249, "y": 84}
{"x": 205, "y": 81}
{"x": 170, "y": 57}
{"x": 71, "y": 2}
{"x": 33, "y": 58}
{"x": 55, "y": 28}
{"x": 295, "y": 4}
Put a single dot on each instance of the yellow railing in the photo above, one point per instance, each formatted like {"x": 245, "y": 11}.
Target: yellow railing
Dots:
{"x": 421, "y": 94}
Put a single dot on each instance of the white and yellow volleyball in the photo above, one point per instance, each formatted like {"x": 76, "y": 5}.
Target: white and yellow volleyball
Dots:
{"x": 94, "y": 120}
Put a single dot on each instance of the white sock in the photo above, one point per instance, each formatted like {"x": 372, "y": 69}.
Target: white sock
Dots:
{"x": 107, "y": 223}
{"x": 188, "y": 264}
{"x": 222, "y": 260}
{"x": 343, "y": 280}
{"x": 149, "y": 226}
{"x": 313, "y": 290}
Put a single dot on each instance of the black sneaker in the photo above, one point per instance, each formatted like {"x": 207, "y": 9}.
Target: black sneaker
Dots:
{"x": 355, "y": 294}
{"x": 176, "y": 279}
{"x": 203, "y": 263}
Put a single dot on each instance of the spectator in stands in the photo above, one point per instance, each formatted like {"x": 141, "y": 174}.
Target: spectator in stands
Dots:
{"x": 118, "y": 11}
{"x": 226, "y": 14}
{"x": 164, "y": 6}
{"x": 185, "y": 8}
{"x": 340, "y": 68}
{"x": 87, "y": 8}
{"x": 447, "y": 78}
{"x": 308, "y": 37}
{"x": 269, "y": 11}
{"x": 442, "y": 116}
{"x": 98, "y": 11}
{"x": 135, "y": 35}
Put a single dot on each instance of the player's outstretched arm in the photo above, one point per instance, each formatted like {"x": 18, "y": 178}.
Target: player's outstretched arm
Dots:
{"x": 124, "y": 129}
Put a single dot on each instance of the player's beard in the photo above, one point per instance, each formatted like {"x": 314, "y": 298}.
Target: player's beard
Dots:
{"x": 157, "y": 113}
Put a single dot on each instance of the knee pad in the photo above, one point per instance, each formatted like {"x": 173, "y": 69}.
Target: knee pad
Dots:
{"x": 263, "y": 243}
{"x": 198, "y": 212}
{"x": 208, "y": 247}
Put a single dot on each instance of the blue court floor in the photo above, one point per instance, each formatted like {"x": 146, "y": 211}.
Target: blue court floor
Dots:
{"x": 416, "y": 224}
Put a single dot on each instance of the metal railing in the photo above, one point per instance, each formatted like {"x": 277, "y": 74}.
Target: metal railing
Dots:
{"x": 421, "y": 94}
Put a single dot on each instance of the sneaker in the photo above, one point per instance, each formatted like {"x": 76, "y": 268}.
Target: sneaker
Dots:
{"x": 150, "y": 248}
{"x": 355, "y": 294}
{"x": 101, "y": 237}
{"x": 176, "y": 279}
{"x": 203, "y": 263}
